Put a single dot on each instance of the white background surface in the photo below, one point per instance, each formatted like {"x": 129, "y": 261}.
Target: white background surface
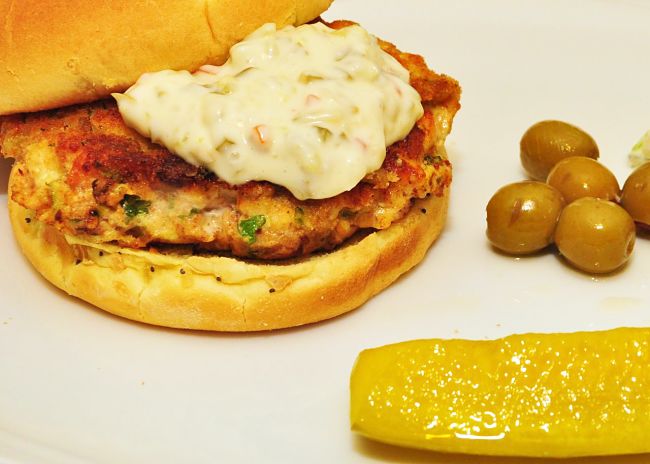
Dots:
{"x": 79, "y": 385}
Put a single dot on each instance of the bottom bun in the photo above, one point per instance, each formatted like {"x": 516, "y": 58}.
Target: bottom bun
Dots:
{"x": 207, "y": 292}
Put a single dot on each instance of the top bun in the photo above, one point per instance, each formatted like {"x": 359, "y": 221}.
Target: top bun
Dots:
{"x": 60, "y": 52}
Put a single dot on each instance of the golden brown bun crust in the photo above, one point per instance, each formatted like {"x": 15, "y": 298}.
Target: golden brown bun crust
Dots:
{"x": 226, "y": 294}
{"x": 59, "y": 52}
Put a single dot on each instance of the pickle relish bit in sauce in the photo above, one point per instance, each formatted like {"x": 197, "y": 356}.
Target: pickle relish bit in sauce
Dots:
{"x": 310, "y": 108}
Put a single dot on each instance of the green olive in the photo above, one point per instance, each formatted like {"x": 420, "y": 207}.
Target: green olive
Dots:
{"x": 576, "y": 177}
{"x": 636, "y": 195}
{"x": 521, "y": 217}
{"x": 546, "y": 143}
{"x": 595, "y": 235}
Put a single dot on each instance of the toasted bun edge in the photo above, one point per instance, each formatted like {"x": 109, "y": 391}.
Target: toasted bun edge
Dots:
{"x": 61, "y": 52}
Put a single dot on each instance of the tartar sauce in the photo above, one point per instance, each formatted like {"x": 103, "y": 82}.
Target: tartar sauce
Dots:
{"x": 310, "y": 108}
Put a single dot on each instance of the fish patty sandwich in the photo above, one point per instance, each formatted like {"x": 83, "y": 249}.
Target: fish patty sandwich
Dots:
{"x": 219, "y": 165}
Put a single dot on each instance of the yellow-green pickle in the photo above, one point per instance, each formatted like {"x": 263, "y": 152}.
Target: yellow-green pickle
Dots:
{"x": 550, "y": 395}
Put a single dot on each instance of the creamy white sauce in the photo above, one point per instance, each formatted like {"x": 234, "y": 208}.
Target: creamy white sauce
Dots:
{"x": 309, "y": 108}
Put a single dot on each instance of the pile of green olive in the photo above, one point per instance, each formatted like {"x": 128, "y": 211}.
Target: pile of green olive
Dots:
{"x": 573, "y": 201}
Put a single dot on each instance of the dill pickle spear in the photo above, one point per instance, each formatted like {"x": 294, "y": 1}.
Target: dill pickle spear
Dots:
{"x": 535, "y": 395}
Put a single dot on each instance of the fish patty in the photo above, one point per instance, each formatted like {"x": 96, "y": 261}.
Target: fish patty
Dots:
{"x": 84, "y": 171}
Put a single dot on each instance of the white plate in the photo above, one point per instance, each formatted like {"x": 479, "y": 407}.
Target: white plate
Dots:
{"x": 78, "y": 385}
